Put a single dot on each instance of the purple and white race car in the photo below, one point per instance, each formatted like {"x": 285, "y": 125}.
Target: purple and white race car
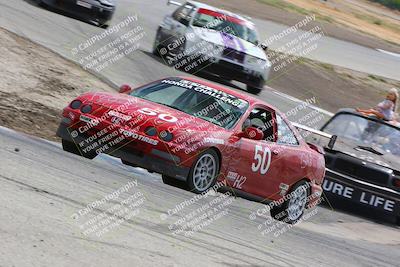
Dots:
{"x": 198, "y": 37}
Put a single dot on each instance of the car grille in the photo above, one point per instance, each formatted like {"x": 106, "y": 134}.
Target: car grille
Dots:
{"x": 231, "y": 66}
{"x": 233, "y": 54}
{"x": 358, "y": 170}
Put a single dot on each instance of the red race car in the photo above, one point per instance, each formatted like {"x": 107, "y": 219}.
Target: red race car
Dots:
{"x": 200, "y": 133}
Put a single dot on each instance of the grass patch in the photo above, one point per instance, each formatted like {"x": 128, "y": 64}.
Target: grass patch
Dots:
{"x": 296, "y": 9}
{"x": 287, "y": 6}
{"x": 377, "y": 21}
{"x": 377, "y": 78}
{"x": 326, "y": 66}
{"x": 393, "y": 4}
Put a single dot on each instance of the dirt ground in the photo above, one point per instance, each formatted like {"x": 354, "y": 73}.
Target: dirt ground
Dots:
{"x": 374, "y": 27}
{"x": 334, "y": 87}
{"x": 36, "y": 84}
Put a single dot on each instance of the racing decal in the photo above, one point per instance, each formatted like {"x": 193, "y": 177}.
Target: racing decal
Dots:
{"x": 228, "y": 40}
{"x": 115, "y": 120}
{"x": 164, "y": 117}
{"x": 222, "y": 16}
{"x": 119, "y": 115}
{"x": 139, "y": 137}
{"x": 262, "y": 157}
{"x": 359, "y": 195}
{"x": 306, "y": 160}
{"x": 201, "y": 88}
{"x": 237, "y": 179}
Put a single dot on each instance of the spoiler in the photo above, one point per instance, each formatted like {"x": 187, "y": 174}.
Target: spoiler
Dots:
{"x": 332, "y": 138}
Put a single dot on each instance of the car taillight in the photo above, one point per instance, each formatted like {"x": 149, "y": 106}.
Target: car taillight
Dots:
{"x": 86, "y": 109}
{"x": 76, "y": 104}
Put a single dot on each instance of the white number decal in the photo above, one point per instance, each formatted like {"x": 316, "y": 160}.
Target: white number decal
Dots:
{"x": 164, "y": 117}
{"x": 262, "y": 157}
{"x": 239, "y": 181}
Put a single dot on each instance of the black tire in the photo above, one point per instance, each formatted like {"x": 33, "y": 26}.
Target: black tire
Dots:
{"x": 128, "y": 163}
{"x": 283, "y": 212}
{"x": 209, "y": 178}
{"x": 253, "y": 90}
{"x": 40, "y": 3}
{"x": 156, "y": 46}
{"x": 174, "y": 182}
{"x": 73, "y": 148}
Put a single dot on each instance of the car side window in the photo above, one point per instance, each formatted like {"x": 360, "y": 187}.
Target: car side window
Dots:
{"x": 263, "y": 120}
{"x": 285, "y": 134}
{"x": 183, "y": 14}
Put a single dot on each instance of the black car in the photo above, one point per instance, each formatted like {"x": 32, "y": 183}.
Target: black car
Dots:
{"x": 99, "y": 11}
{"x": 363, "y": 168}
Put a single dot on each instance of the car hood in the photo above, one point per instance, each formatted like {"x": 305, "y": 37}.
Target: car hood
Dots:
{"x": 236, "y": 43}
{"x": 353, "y": 149}
{"x": 131, "y": 106}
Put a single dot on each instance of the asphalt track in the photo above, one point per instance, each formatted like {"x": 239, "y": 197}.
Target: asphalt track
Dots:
{"x": 42, "y": 188}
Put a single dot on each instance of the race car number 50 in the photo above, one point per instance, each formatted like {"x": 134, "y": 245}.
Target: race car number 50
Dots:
{"x": 164, "y": 117}
{"x": 262, "y": 156}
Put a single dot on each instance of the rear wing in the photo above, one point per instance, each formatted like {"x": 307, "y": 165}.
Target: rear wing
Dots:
{"x": 332, "y": 138}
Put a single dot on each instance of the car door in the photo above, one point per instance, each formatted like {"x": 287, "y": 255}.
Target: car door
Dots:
{"x": 256, "y": 167}
{"x": 296, "y": 159}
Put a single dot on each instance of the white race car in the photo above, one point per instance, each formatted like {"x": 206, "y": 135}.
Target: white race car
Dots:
{"x": 198, "y": 37}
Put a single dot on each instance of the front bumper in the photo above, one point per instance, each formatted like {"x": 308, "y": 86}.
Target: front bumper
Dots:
{"x": 341, "y": 189}
{"x": 232, "y": 71}
{"x": 152, "y": 161}
{"x": 97, "y": 11}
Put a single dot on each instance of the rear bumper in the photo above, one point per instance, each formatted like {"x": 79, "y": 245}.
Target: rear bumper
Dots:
{"x": 97, "y": 11}
{"x": 366, "y": 197}
{"x": 152, "y": 161}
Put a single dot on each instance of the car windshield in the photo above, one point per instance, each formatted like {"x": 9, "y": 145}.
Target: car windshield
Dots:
{"x": 366, "y": 131}
{"x": 223, "y": 23}
{"x": 196, "y": 99}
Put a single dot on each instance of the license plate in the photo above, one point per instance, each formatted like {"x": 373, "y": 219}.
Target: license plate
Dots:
{"x": 84, "y": 4}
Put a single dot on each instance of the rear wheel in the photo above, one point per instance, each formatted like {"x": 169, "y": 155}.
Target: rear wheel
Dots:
{"x": 204, "y": 172}
{"x": 73, "y": 148}
{"x": 293, "y": 208}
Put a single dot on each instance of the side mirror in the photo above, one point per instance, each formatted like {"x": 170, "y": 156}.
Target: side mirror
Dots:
{"x": 174, "y": 3}
{"x": 264, "y": 47}
{"x": 125, "y": 88}
{"x": 253, "y": 133}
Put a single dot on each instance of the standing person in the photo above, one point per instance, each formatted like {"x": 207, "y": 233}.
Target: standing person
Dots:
{"x": 386, "y": 109}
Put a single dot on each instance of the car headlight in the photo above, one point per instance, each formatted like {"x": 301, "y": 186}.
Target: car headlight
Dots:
{"x": 166, "y": 136}
{"x": 106, "y": 2}
{"x": 253, "y": 60}
{"x": 151, "y": 131}
{"x": 86, "y": 109}
{"x": 76, "y": 104}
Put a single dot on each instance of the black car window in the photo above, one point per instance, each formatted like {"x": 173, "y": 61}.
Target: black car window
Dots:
{"x": 183, "y": 14}
{"x": 263, "y": 120}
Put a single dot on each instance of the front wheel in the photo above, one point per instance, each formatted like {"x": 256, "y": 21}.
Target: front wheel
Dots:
{"x": 204, "y": 172}
{"x": 293, "y": 208}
